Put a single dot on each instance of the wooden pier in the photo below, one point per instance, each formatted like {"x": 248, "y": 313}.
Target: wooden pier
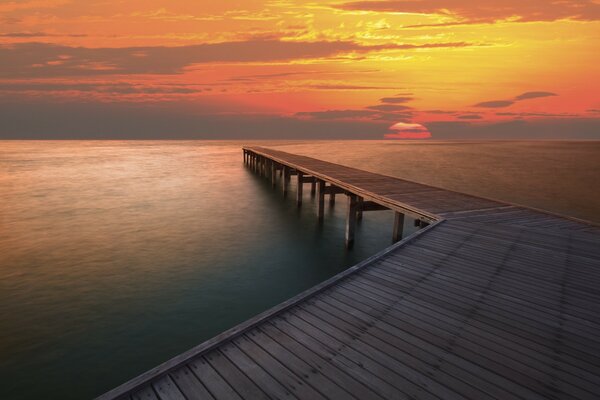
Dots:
{"x": 487, "y": 301}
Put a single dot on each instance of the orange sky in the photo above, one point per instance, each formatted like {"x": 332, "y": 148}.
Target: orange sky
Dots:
{"x": 450, "y": 66}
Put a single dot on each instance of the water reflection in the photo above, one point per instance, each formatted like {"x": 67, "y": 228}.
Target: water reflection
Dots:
{"x": 115, "y": 256}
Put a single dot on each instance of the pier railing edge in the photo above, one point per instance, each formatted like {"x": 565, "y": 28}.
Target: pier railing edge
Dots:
{"x": 380, "y": 199}
{"x": 240, "y": 329}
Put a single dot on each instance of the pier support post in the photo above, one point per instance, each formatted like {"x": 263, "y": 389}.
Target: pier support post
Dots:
{"x": 300, "y": 175}
{"x": 332, "y": 198}
{"x": 273, "y": 174}
{"x": 320, "y": 199}
{"x": 284, "y": 180}
{"x": 351, "y": 220}
{"x": 359, "y": 208}
{"x": 398, "y": 226}
{"x": 313, "y": 187}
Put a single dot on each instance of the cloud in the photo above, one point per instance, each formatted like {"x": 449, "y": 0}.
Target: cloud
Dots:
{"x": 39, "y": 34}
{"x": 36, "y": 60}
{"x": 521, "y": 97}
{"x": 534, "y": 114}
{"x": 337, "y": 114}
{"x": 389, "y": 107}
{"x": 93, "y": 120}
{"x": 468, "y": 11}
{"x": 30, "y": 4}
{"x": 469, "y": 116}
{"x": 116, "y": 88}
{"x": 395, "y": 100}
{"x": 347, "y": 87}
{"x": 495, "y": 104}
{"x": 403, "y": 130}
{"x": 534, "y": 95}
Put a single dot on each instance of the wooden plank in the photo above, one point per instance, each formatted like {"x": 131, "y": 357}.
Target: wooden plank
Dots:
{"x": 166, "y": 389}
{"x": 291, "y": 381}
{"x": 234, "y": 377}
{"x": 189, "y": 384}
{"x": 216, "y": 385}
{"x": 146, "y": 393}
{"x": 257, "y": 374}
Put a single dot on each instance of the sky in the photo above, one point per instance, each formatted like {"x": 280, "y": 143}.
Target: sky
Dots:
{"x": 408, "y": 69}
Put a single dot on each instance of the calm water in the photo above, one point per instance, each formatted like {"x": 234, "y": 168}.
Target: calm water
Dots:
{"x": 115, "y": 256}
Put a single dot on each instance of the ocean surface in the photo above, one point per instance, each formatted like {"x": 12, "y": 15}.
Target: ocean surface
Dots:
{"x": 116, "y": 256}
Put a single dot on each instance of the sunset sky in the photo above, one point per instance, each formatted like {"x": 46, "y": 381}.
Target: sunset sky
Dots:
{"x": 300, "y": 69}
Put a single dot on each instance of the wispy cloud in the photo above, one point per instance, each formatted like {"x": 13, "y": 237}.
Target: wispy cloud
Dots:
{"x": 49, "y": 60}
{"x": 337, "y": 114}
{"x": 534, "y": 95}
{"x": 396, "y": 100}
{"x": 495, "y": 104}
{"x": 468, "y": 11}
{"x": 110, "y": 88}
{"x": 521, "y": 97}
{"x": 389, "y": 107}
{"x": 18, "y": 35}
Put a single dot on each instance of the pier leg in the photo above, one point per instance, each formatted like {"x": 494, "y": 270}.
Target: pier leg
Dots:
{"x": 320, "y": 199}
{"x": 284, "y": 181}
{"x": 351, "y": 220}
{"x": 332, "y": 199}
{"x": 398, "y": 227}
{"x": 313, "y": 187}
{"x": 273, "y": 174}
{"x": 299, "y": 189}
{"x": 359, "y": 207}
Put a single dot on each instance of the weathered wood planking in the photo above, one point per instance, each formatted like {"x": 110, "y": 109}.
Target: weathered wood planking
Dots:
{"x": 490, "y": 301}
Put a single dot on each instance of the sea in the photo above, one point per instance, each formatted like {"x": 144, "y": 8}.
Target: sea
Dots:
{"x": 118, "y": 255}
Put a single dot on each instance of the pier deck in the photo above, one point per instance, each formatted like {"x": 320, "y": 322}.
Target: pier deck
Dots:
{"x": 487, "y": 301}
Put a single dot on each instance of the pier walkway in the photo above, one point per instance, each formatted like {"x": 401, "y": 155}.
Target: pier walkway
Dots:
{"x": 487, "y": 301}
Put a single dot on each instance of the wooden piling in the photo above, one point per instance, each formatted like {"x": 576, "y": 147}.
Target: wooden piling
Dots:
{"x": 300, "y": 176}
{"x": 359, "y": 208}
{"x": 313, "y": 187}
{"x": 398, "y": 227}
{"x": 284, "y": 180}
{"x": 351, "y": 219}
{"x": 273, "y": 174}
{"x": 320, "y": 199}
